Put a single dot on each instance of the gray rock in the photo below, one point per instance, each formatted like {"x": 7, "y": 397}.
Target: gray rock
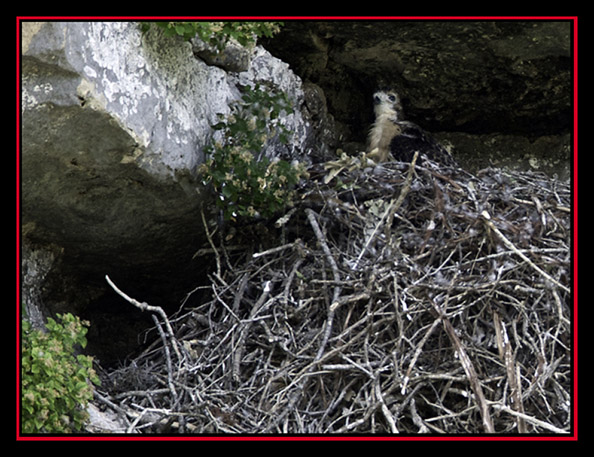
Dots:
{"x": 36, "y": 263}
{"x": 103, "y": 421}
{"x": 232, "y": 58}
{"x": 470, "y": 77}
{"x": 114, "y": 125}
{"x": 548, "y": 154}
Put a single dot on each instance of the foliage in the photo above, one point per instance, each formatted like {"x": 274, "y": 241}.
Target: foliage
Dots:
{"x": 55, "y": 382}
{"x": 217, "y": 34}
{"x": 247, "y": 183}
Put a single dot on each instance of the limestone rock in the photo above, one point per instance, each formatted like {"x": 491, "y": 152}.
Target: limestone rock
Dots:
{"x": 103, "y": 421}
{"x": 114, "y": 125}
{"x": 36, "y": 263}
{"x": 233, "y": 58}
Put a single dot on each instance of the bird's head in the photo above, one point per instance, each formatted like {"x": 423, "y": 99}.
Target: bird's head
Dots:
{"x": 387, "y": 102}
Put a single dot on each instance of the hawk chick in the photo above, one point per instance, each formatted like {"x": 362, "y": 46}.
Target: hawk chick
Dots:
{"x": 391, "y": 134}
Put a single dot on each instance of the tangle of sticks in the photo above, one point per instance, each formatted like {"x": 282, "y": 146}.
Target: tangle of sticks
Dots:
{"x": 399, "y": 298}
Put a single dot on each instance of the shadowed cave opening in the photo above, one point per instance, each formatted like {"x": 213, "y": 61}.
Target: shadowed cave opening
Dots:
{"x": 118, "y": 330}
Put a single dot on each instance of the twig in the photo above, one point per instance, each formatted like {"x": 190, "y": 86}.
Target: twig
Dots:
{"x": 416, "y": 355}
{"x": 158, "y": 310}
{"x": 513, "y": 375}
{"x": 244, "y": 327}
{"x": 487, "y": 218}
{"x": 388, "y": 214}
{"x": 331, "y": 309}
{"x": 403, "y": 192}
{"x": 212, "y": 245}
{"x": 468, "y": 369}
{"x": 168, "y": 359}
{"x": 276, "y": 249}
{"x": 530, "y": 419}
{"x": 146, "y": 307}
{"x": 385, "y": 411}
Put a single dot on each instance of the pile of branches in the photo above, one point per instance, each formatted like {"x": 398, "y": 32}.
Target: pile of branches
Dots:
{"x": 397, "y": 298}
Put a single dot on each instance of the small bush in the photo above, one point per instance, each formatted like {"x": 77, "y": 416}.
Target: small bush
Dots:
{"x": 218, "y": 33}
{"x": 56, "y": 383}
{"x": 246, "y": 183}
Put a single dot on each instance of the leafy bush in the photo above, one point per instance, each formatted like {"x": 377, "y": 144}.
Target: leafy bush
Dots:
{"x": 218, "y": 33}
{"x": 56, "y": 383}
{"x": 247, "y": 183}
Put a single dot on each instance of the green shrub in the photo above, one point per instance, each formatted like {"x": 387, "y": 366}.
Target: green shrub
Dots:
{"x": 218, "y": 33}
{"x": 56, "y": 383}
{"x": 246, "y": 183}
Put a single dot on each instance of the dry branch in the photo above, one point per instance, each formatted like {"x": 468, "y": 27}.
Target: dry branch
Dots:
{"x": 408, "y": 299}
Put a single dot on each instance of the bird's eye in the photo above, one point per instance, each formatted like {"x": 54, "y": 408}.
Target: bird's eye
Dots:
{"x": 392, "y": 98}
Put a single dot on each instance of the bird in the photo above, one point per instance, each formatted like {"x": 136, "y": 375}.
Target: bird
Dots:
{"x": 392, "y": 135}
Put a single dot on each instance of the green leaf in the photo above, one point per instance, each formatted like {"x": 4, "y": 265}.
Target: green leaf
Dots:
{"x": 54, "y": 380}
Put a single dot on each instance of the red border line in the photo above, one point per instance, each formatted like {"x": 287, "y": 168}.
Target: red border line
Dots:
{"x": 569, "y": 437}
{"x": 575, "y": 227}
{"x": 18, "y": 223}
{"x": 297, "y": 18}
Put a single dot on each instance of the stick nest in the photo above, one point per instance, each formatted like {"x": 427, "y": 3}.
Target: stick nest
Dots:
{"x": 395, "y": 298}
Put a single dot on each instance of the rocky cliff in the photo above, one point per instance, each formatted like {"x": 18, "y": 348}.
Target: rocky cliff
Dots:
{"x": 115, "y": 121}
{"x": 114, "y": 125}
{"x": 500, "y": 92}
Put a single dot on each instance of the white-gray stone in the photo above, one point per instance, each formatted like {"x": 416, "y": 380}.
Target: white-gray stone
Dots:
{"x": 114, "y": 125}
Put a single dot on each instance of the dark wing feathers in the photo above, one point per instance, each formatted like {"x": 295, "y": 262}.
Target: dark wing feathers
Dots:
{"x": 412, "y": 138}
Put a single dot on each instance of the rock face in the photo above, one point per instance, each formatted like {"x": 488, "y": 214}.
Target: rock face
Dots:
{"x": 512, "y": 78}
{"x": 115, "y": 121}
{"x": 114, "y": 124}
